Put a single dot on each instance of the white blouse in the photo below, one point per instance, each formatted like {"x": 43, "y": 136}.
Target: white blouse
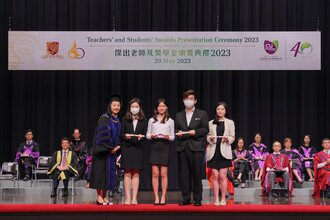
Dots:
{"x": 161, "y": 128}
{"x": 135, "y": 124}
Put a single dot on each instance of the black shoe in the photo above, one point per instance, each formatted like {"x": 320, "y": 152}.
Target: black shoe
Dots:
{"x": 183, "y": 203}
{"x": 26, "y": 178}
{"x": 162, "y": 203}
{"x": 53, "y": 193}
{"x": 327, "y": 195}
{"x": 155, "y": 203}
{"x": 101, "y": 203}
{"x": 65, "y": 193}
{"x": 274, "y": 194}
{"x": 198, "y": 204}
{"x": 237, "y": 182}
{"x": 287, "y": 195}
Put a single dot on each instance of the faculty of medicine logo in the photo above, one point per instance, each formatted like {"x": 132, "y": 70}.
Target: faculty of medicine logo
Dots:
{"x": 271, "y": 47}
{"x": 76, "y": 53}
{"x": 52, "y": 50}
{"x": 272, "y": 51}
{"x": 302, "y": 49}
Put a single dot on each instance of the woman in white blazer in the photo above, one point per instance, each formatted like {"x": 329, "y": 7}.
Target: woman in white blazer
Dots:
{"x": 218, "y": 152}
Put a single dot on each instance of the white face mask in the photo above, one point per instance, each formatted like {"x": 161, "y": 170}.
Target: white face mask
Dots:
{"x": 135, "y": 111}
{"x": 189, "y": 103}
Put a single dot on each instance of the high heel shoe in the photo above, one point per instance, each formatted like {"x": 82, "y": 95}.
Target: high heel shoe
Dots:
{"x": 223, "y": 203}
{"x": 216, "y": 203}
{"x": 108, "y": 202}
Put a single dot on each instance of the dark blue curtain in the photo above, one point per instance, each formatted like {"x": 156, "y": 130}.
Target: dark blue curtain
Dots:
{"x": 275, "y": 103}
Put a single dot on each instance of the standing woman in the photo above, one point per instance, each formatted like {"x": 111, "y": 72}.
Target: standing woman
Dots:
{"x": 134, "y": 128}
{"x": 160, "y": 132}
{"x": 259, "y": 153}
{"x": 218, "y": 153}
{"x": 106, "y": 139}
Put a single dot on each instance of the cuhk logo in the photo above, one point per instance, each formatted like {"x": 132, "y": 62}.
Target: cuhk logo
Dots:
{"x": 302, "y": 48}
{"x": 271, "y": 47}
{"x": 52, "y": 48}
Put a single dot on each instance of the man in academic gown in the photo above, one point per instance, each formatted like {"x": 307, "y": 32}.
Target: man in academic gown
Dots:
{"x": 322, "y": 170}
{"x": 80, "y": 148}
{"x": 63, "y": 166}
{"x": 276, "y": 169}
{"x": 27, "y": 155}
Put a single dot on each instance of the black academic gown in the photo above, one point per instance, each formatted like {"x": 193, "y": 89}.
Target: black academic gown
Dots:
{"x": 80, "y": 148}
{"x": 106, "y": 138}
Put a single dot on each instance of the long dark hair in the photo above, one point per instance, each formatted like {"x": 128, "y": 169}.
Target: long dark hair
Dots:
{"x": 166, "y": 116}
{"x": 227, "y": 115}
{"x": 240, "y": 138}
{"x": 129, "y": 115}
{"x": 310, "y": 139}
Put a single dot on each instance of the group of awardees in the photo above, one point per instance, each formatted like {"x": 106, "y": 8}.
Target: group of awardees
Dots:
{"x": 197, "y": 139}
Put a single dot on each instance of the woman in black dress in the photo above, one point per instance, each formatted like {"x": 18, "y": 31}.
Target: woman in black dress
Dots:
{"x": 160, "y": 132}
{"x": 134, "y": 128}
{"x": 218, "y": 153}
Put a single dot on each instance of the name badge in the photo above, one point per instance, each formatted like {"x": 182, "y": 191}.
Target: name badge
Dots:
{"x": 197, "y": 119}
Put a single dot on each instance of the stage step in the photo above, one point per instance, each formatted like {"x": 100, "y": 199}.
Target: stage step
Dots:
{"x": 82, "y": 183}
{"x": 44, "y": 188}
{"x": 34, "y": 184}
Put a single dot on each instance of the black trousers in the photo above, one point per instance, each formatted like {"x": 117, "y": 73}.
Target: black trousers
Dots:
{"x": 25, "y": 167}
{"x": 56, "y": 181}
{"x": 191, "y": 174}
{"x": 81, "y": 169}
{"x": 241, "y": 167}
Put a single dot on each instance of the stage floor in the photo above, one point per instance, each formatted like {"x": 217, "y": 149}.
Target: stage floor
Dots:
{"x": 173, "y": 197}
{"x": 35, "y": 203}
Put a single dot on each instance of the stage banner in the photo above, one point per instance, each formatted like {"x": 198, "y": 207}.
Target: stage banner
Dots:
{"x": 33, "y": 50}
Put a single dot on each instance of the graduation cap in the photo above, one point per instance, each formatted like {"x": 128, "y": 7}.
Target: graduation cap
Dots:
{"x": 113, "y": 97}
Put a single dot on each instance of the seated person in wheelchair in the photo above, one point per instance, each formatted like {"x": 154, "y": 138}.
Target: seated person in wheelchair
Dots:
{"x": 276, "y": 170}
{"x": 63, "y": 166}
